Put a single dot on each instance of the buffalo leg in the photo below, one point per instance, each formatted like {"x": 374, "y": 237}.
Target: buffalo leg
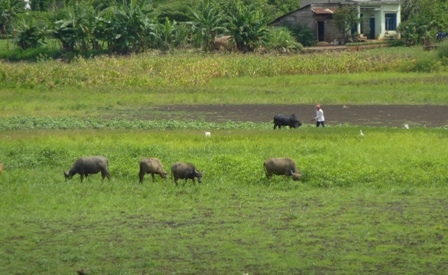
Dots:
{"x": 105, "y": 174}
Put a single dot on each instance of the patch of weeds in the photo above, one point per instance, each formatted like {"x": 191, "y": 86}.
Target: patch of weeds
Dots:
{"x": 407, "y": 191}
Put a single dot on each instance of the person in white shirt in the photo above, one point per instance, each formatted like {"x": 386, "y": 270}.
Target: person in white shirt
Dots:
{"x": 320, "y": 120}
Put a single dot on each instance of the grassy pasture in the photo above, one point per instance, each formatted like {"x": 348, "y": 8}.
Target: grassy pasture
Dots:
{"x": 366, "y": 205}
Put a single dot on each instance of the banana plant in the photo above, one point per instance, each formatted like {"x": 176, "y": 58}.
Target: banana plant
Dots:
{"x": 126, "y": 26}
{"x": 9, "y": 11}
{"x": 207, "y": 22}
{"x": 165, "y": 35}
{"x": 30, "y": 35}
{"x": 76, "y": 30}
{"x": 248, "y": 25}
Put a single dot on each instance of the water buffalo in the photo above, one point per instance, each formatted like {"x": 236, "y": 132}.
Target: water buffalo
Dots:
{"x": 181, "y": 170}
{"x": 89, "y": 165}
{"x": 151, "y": 166}
{"x": 283, "y": 120}
{"x": 281, "y": 166}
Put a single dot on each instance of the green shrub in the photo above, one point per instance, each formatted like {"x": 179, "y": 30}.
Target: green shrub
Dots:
{"x": 427, "y": 63}
{"x": 281, "y": 39}
{"x": 41, "y": 53}
{"x": 30, "y": 35}
{"x": 397, "y": 43}
{"x": 442, "y": 52}
{"x": 303, "y": 34}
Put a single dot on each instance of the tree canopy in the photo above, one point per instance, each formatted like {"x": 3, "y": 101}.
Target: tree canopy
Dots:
{"x": 423, "y": 19}
{"x": 132, "y": 26}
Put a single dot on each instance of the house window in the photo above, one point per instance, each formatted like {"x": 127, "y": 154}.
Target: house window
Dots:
{"x": 391, "y": 21}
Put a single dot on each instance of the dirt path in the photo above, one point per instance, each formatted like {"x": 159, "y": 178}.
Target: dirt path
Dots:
{"x": 368, "y": 115}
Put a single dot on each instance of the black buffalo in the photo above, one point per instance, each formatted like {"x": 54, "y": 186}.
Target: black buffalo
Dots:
{"x": 181, "y": 170}
{"x": 283, "y": 120}
{"x": 89, "y": 165}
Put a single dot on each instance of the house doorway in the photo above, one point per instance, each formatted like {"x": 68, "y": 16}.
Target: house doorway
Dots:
{"x": 368, "y": 27}
{"x": 372, "y": 28}
{"x": 320, "y": 30}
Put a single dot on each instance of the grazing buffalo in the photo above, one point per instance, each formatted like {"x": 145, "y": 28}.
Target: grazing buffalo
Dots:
{"x": 151, "y": 166}
{"x": 283, "y": 120}
{"x": 89, "y": 165}
{"x": 181, "y": 170}
{"x": 281, "y": 166}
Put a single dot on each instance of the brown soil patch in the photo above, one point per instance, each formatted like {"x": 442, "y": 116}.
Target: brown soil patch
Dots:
{"x": 364, "y": 115}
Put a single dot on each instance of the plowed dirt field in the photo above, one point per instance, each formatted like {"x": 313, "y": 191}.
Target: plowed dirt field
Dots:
{"x": 363, "y": 115}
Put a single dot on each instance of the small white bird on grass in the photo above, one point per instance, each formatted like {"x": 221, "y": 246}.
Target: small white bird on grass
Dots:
{"x": 406, "y": 126}
{"x": 361, "y": 133}
{"x": 208, "y": 134}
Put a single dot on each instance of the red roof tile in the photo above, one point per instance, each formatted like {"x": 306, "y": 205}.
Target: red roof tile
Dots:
{"x": 324, "y": 10}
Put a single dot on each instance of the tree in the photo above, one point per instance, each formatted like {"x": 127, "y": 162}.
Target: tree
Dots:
{"x": 346, "y": 17}
{"x": 280, "y": 7}
{"x": 272, "y": 8}
{"x": 165, "y": 35}
{"x": 425, "y": 18}
{"x": 9, "y": 11}
{"x": 126, "y": 26}
{"x": 76, "y": 29}
{"x": 247, "y": 25}
{"x": 174, "y": 11}
{"x": 409, "y": 8}
{"x": 208, "y": 21}
{"x": 30, "y": 34}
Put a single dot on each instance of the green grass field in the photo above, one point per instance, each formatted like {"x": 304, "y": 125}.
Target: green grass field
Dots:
{"x": 365, "y": 205}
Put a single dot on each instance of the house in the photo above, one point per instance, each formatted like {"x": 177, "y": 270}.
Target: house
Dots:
{"x": 379, "y": 18}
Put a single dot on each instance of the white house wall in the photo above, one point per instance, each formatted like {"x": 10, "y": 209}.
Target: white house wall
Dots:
{"x": 378, "y": 12}
{"x": 376, "y": 9}
{"x": 389, "y": 9}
